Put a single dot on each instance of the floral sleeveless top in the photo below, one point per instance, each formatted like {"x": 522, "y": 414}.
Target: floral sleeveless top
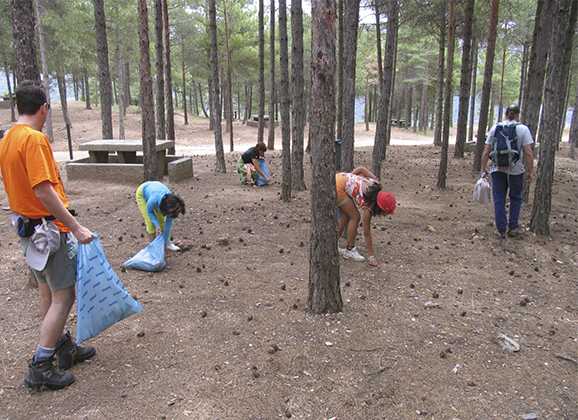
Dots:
{"x": 356, "y": 187}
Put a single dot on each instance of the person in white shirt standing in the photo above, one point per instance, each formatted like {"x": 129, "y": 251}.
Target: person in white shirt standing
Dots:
{"x": 509, "y": 147}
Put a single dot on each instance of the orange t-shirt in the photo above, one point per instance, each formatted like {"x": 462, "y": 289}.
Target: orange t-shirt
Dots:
{"x": 26, "y": 160}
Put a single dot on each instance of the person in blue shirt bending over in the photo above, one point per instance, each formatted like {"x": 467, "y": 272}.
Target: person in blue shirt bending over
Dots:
{"x": 159, "y": 206}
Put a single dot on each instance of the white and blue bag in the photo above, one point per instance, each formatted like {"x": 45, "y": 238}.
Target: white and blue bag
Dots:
{"x": 101, "y": 298}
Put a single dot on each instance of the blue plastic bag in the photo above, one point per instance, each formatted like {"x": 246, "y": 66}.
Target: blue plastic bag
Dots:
{"x": 101, "y": 298}
{"x": 260, "y": 181}
{"x": 152, "y": 257}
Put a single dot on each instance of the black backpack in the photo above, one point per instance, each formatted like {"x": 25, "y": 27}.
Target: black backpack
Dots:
{"x": 506, "y": 151}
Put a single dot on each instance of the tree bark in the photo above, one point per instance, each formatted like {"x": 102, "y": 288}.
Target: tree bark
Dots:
{"x": 564, "y": 14}
{"x": 340, "y": 32}
{"x": 324, "y": 289}
{"x": 285, "y": 100}
{"x": 126, "y": 87}
{"x": 473, "y": 89}
{"x": 573, "y": 136}
{"x": 105, "y": 82}
{"x": 229, "y": 81}
{"x": 440, "y": 88}
{"x": 298, "y": 102}
{"x": 86, "y": 89}
{"x": 120, "y": 76}
{"x": 566, "y": 63}
{"x": 61, "y": 80}
{"x": 366, "y": 107}
{"x": 378, "y": 42}
{"x": 160, "y": 71}
{"x": 443, "y": 169}
{"x": 261, "y": 19}
{"x": 184, "y": 77}
{"x": 386, "y": 86}
{"x": 423, "y": 108}
{"x": 202, "y": 102}
{"x": 488, "y": 73}
{"x": 216, "y": 101}
{"x": 44, "y": 64}
{"x": 272, "y": 98}
{"x": 532, "y": 98}
{"x": 393, "y": 78}
{"x": 350, "y": 29}
{"x": 465, "y": 81}
{"x": 170, "y": 118}
{"x": 501, "y": 100}
{"x": 146, "y": 97}
{"x": 23, "y": 35}
{"x": 523, "y": 74}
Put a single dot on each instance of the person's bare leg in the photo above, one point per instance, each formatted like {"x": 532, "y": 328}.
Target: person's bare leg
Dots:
{"x": 53, "y": 323}
{"x": 350, "y": 211}
{"x": 45, "y": 298}
{"x": 343, "y": 220}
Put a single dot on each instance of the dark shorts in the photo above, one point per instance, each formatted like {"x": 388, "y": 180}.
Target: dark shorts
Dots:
{"x": 60, "y": 270}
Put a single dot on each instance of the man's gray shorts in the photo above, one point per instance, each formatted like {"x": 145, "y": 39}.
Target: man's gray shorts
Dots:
{"x": 60, "y": 270}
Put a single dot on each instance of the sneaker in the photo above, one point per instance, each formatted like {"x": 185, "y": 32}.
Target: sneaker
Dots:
{"x": 45, "y": 375}
{"x": 172, "y": 247}
{"x": 69, "y": 354}
{"x": 515, "y": 233}
{"x": 501, "y": 235}
{"x": 341, "y": 250}
{"x": 353, "y": 254}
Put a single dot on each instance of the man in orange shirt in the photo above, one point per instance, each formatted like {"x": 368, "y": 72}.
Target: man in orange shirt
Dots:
{"x": 37, "y": 199}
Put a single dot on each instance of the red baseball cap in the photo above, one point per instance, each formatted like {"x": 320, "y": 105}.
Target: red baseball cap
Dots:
{"x": 386, "y": 202}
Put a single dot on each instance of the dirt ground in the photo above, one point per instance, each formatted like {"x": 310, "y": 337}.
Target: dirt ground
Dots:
{"x": 225, "y": 334}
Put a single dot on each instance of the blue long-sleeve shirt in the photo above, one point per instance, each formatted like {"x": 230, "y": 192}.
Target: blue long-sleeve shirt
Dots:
{"x": 153, "y": 193}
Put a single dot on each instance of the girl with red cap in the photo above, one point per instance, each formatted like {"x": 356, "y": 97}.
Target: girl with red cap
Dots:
{"x": 360, "y": 190}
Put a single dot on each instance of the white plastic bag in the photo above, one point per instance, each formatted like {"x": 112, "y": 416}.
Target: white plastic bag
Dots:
{"x": 482, "y": 191}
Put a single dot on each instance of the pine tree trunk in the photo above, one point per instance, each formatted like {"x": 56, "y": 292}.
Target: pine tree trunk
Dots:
{"x": 170, "y": 117}
{"x": 146, "y": 97}
{"x": 203, "y": 104}
{"x": 378, "y": 42}
{"x": 24, "y": 42}
{"x": 350, "y": 27}
{"x": 440, "y": 88}
{"x": 184, "y": 77}
{"x": 324, "y": 289}
{"x": 160, "y": 71}
{"x": 45, "y": 76}
{"x": 216, "y": 101}
{"x": 564, "y": 14}
{"x": 393, "y": 76}
{"x": 488, "y": 73}
{"x": 473, "y": 89}
{"x": 105, "y": 82}
{"x": 566, "y": 63}
{"x": 523, "y": 74}
{"x": 465, "y": 81}
{"x": 60, "y": 78}
{"x": 532, "y": 98}
{"x": 74, "y": 87}
{"x": 298, "y": 102}
{"x": 272, "y": 88}
{"x": 501, "y": 101}
{"x": 229, "y": 81}
{"x": 10, "y": 94}
{"x": 86, "y": 89}
{"x": 340, "y": 33}
{"x": 409, "y": 107}
{"x": 285, "y": 101}
{"x": 573, "y": 135}
{"x": 120, "y": 76}
{"x": 423, "y": 108}
{"x": 126, "y": 87}
{"x": 386, "y": 86}
{"x": 366, "y": 105}
{"x": 443, "y": 169}
{"x": 260, "y": 130}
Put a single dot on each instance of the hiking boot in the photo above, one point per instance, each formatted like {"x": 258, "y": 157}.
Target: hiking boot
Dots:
{"x": 353, "y": 254}
{"x": 501, "y": 235}
{"x": 69, "y": 354}
{"x": 45, "y": 375}
{"x": 515, "y": 233}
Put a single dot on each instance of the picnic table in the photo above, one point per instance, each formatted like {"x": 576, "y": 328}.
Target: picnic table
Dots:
{"x": 99, "y": 150}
